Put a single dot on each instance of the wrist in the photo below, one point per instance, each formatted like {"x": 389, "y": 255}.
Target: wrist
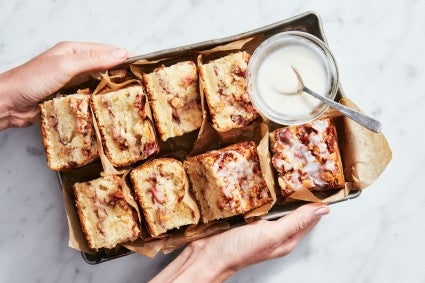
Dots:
{"x": 5, "y": 102}
{"x": 9, "y": 115}
{"x": 216, "y": 267}
{"x": 196, "y": 263}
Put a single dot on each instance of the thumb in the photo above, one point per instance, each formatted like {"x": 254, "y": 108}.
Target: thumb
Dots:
{"x": 299, "y": 219}
{"x": 86, "y": 60}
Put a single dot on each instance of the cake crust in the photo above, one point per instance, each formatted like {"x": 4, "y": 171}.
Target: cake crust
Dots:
{"x": 307, "y": 156}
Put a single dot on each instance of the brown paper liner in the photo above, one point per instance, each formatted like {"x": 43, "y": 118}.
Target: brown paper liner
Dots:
{"x": 341, "y": 194}
{"x": 266, "y": 169}
{"x": 199, "y": 232}
{"x": 366, "y": 153}
{"x": 190, "y": 202}
{"x": 247, "y": 44}
{"x": 76, "y": 237}
{"x": 36, "y": 118}
{"x": 68, "y": 179}
{"x": 128, "y": 196}
{"x": 108, "y": 168}
{"x": 143, "y": 62}
{"x": 142, "y": 247}
{"x": 107, "y": 83}
{"x": 304, "y": 195}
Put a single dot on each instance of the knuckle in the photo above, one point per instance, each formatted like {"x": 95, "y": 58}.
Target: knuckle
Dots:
{"x": 287, "y": 247}
{"x": 263, "y": 223}
{"x": 62, "y": 44}
{"x": 302, "y": 224}
{"x": 67, "y": 47}
{"x": 94, "y": 56}
{"x": 65, "y": 42}
{"x": 292, "y": 242}
{"x": 286, "y": 250}
{"x": 200, "y": 245}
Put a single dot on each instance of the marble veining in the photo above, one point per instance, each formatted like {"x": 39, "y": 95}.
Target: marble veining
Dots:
{"x": 378, "y": 237}
{"x": 35, "y": 151}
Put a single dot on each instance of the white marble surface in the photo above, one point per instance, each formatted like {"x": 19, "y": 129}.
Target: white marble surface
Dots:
{"x": 379, "y": 46}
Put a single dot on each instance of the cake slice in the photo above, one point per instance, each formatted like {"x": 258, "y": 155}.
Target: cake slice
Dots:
{"x": 224, "y": 85}
{"x": 307, "y": 156}
{"x": 174, "y": 99}
{"x": 67, "y": 132}
{"x": 106, "y": 218}
{"x": 228, "y": 181}
{"x": 127, "y": 132}
{"x": 161, "y": 186}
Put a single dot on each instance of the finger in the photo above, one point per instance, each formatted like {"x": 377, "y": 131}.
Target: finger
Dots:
{"x": 290, "y": 243}
{"x": 75, "y": 46}
{"x": 297, "y": 220}
{"x": 131, "y": 54}
{"x": 93, "y": 59}
{"x": 85, "y": 57}
{"x": 66, "y": 46}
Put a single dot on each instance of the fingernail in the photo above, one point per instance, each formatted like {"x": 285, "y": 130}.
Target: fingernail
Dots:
{"x": 119, "y": 53}
{"x": 321, "y": 211}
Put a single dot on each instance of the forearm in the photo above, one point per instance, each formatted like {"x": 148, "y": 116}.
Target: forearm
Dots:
{"x": 196, "y": 264}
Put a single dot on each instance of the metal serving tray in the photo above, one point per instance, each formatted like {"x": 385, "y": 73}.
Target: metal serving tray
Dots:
{"x": 308, "y": 22}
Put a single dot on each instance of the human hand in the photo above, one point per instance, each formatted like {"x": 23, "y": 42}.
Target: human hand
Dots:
{"x": 218, "y": 257}
{"x": 23, "y": 87}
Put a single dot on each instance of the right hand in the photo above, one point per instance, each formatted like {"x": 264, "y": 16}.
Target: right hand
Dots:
{"x": 216, "y": 258}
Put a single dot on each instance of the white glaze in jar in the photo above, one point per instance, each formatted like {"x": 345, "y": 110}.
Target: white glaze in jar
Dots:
{"x": 271, "y": 78}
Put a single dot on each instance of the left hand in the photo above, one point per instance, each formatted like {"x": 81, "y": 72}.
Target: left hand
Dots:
{"x": 22, "y": 88}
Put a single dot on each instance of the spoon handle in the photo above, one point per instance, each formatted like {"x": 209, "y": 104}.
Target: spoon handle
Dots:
{"x": 358, "y": 117}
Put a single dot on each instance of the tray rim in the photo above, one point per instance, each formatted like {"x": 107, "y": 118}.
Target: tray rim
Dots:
{"x": 220, "y": 41}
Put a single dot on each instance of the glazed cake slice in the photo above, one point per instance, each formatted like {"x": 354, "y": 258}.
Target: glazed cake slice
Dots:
{"x": 224, "y": 85}
{"x": 228, "y": 181}
{"x": 106, "y": 218}
{"x": 160, "y": 186}
{"x": 127, "y": 132}
{"x": 174, "y": 99}
{"x": 67, "y": 132}
{"x": 307, "y": 156}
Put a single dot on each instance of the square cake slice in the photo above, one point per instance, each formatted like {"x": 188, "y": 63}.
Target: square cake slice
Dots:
{"x": 174, "y": 99}
{"x": 106, "y": 218}
{"x": 67, "y": 132}
{"x": 162, "y": 189}
{"x": 225, "y": 89}
{"x": 307, "y": 156}
{"x": 127, "y": 132}
{"x": 227, "y": 182}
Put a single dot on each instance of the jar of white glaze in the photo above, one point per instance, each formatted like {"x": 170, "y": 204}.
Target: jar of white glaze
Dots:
{"x": 270, "y": 77}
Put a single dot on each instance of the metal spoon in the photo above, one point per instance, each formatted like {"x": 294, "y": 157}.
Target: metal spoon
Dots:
{"x": 358, "y": 117}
